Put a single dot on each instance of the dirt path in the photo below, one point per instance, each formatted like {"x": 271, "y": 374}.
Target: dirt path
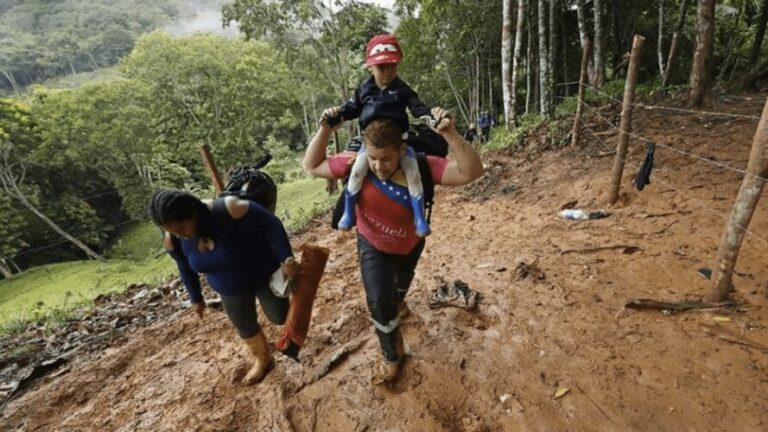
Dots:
{"x": 532, "y": 336}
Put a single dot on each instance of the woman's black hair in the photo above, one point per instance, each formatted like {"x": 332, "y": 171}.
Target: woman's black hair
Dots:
{"x": 170, "y": 205}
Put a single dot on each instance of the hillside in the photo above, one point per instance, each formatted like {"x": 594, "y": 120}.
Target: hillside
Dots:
{"x": 551, "y": 317}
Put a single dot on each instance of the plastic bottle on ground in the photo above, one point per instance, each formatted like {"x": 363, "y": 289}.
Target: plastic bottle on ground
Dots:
{"x": 574, "y": 214}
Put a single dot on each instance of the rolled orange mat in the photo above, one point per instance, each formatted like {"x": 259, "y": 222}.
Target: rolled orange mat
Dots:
{"x": 296, "y": 327}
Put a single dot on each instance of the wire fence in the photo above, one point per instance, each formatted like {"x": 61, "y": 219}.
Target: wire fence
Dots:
{"x": 57, "y": 243}
{"x": 672, "y": 186}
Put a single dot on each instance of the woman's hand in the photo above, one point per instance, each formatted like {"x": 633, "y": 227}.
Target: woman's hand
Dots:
{"x": 290, "y": 269}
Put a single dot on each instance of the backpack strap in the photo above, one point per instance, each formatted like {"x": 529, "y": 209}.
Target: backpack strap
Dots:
{"x": 427, "y": 183}
{"x": 219, "y": 208}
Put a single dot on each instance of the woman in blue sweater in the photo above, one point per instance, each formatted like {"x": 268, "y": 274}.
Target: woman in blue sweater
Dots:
{"x": 238, "y": 245}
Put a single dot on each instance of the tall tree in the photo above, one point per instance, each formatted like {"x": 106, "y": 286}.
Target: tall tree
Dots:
{"x": 521, "y": 4}
{"x": 660, "y": 39}
{"x": 581, "y": 16}
{"x": 16, "y": 144}
{"x": 759, "y": 34}
{"x": 598, "y": 79}
{"x": 545, "y": 107}
{"x": 506, "y": 74}
{"x": 700, "y": 79}
{"x": 673, "y": 45}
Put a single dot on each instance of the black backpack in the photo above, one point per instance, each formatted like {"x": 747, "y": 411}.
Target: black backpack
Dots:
{"x": 249, "y": 182}
{"x": 424, "y": 141}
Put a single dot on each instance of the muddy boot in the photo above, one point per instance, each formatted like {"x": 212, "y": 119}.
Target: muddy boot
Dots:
{"x": 422, "y": 227}
{"x": 403, "y": 311}
{"x": 388, "y": 370}
{"x": 347, "y": 220}
{"x": 262, "y": 357}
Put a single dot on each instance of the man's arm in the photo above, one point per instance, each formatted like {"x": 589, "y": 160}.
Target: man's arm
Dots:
{"x": 466, "y": 165}
{"x": 315, "y": 163}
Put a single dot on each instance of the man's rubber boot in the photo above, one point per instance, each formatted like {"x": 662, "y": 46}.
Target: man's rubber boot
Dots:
{"x": 296, "y": 327}
{"x": 388, "y": 369}
{"x": 348, "y": 219}
{"x": 422, "y": 227}
{"x": 262, "y": 358}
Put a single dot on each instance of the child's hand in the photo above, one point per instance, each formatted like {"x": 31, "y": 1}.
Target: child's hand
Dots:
{"x": 331, "y": 118}
{"x": 444, "y": 120}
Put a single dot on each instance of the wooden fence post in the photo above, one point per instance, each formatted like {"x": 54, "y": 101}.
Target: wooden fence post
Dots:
{"x": 210, "y": 164}
{"x": 743, "y": 208}
{"x": 626, "y": 118}
{"x": 583, "y": 78}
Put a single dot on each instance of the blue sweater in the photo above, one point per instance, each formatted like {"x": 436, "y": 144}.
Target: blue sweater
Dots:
{"x": 247, "y": 251}
{"x": 370, "y": 102}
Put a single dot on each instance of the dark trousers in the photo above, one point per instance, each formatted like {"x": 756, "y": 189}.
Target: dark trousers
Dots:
{"x": 241, "y": 310}
{"x": 386, "y": 279}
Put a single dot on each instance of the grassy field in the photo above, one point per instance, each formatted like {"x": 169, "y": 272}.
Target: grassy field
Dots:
{"x": 53, "y": 292}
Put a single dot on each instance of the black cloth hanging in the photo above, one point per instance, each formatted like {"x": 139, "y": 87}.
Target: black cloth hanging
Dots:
{"x": 643, "y": 176}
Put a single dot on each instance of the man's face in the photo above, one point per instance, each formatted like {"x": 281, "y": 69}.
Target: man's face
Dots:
{"x": 384, "y": 74}
{"x": 384, "y": 161}
{"x": 182, "y": 228}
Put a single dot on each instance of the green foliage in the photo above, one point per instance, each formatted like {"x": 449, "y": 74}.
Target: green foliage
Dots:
{"x": 231, "y": 95}
{"x": 500, "y": 138}
{"x": 43, "y": 39}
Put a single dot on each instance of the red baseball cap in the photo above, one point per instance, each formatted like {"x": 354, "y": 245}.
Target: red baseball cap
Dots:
{"x": 383, "y": 49}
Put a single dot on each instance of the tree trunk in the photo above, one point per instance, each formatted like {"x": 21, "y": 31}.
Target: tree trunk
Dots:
{"x": 529, "y": 69}
{"x": 583, "y": 34}
{"x": 625, "y": 128}
{"x": 759, "y": 34}
{"x": 675, "y": 40}
{"x": 564, "y": 50}
{"x": 743, "y": 209}
{"x": 544, "y": 71}
{"x": 11, "y": 186}
{"x": 660, "y": 41}
{"x": 583, "y": 77}
{"x": 681, "y": 19}
{"x": 700, "y": 79}
{"x": 512, "y": 122}
{"x": 599, "y": 77}
{"x": 5, "y": 270}
{"x": 506, "y": 63}
{"x": 552, "y": 53}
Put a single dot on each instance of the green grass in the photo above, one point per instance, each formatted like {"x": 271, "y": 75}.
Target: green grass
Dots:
{"x": 300, "y": 200}
{"x": 135, "y": 242}
{"x": 54, "y": 292}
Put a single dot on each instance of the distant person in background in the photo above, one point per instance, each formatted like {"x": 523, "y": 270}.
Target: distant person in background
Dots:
{"x": 470, "y": 134}
{"x": 238, "y": 245}
{"x": 485, "y": 122}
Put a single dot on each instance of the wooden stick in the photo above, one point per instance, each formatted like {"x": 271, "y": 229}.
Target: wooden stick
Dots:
{"x": 626, "y": 118}
{"x": 210, "y": 164}
{"x": 741, "y": 215}
{"x": 585, "y": 56}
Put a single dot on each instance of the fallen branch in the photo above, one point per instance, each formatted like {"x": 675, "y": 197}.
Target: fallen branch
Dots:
{"x": 729, "y": 336}
{"x": 685, "y": 305}
{"x": 663, "y": 230}
{"x": 627, "y": 249}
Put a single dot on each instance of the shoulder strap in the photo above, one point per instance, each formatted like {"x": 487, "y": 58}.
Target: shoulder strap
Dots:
{"x": 219, "y": 209}
{"x": 427, "y": 183}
